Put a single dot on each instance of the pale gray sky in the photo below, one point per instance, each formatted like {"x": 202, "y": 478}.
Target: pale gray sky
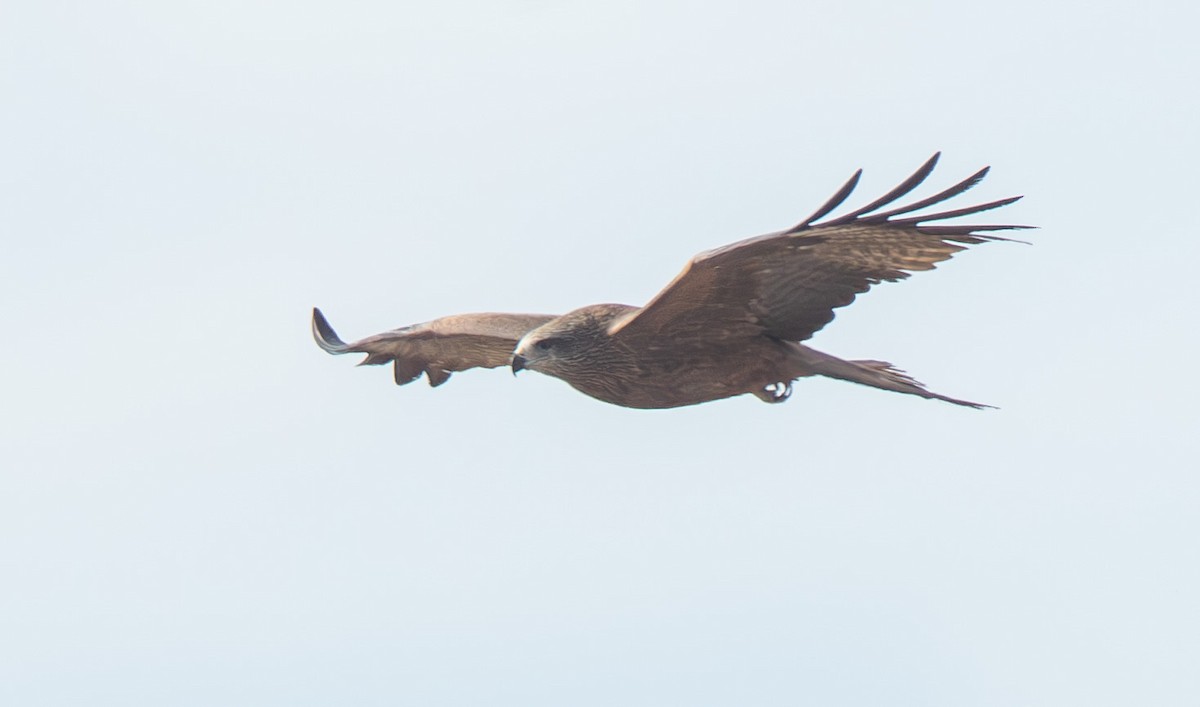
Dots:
{"x": 199, "y": 507}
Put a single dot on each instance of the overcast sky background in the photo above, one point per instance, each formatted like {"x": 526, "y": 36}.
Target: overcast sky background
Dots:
{"x": 199, "y": 507}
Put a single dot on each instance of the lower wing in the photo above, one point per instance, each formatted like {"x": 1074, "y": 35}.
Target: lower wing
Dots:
{"x": 436, "y": 348}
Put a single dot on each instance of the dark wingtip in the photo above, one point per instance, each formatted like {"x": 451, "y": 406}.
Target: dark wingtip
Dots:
{"x": 941, "y": 196}
{"x": 901, "y": 189}
{"x": 325, "y": 336}
{"x": 833, "y": 202}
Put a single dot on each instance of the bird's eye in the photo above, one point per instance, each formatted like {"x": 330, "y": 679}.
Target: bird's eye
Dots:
{"x": 544, "y": 344}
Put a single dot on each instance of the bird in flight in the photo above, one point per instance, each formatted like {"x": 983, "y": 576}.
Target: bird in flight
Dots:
{"x": 730, "y": 323}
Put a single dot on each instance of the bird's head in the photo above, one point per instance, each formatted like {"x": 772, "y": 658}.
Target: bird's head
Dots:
{"x": 569, "y": 344}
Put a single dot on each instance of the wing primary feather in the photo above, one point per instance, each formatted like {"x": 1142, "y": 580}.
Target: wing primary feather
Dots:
{"x": 325, "y": 336}
{"x": 901, "y": 189}
{"x": 405, "y": 371}
{"x": 941, "y": 216}
{"x": 953, "y": 191}
{"x": 967, "y": 233}
{"x": 834, "y": 202}
{"x": 436, "y": 376}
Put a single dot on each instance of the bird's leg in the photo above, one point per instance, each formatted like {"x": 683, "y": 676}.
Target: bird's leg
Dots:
{"x": 775, "y": 392}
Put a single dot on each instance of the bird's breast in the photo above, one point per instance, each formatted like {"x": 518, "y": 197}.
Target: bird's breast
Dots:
{"x": 663, "y": 376}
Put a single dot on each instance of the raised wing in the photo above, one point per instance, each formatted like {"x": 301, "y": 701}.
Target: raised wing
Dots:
{"x": 788, "y": 284}
{"x": 437, "y": 348}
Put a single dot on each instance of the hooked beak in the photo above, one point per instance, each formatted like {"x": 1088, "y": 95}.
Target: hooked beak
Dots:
{"x": 518, "y": 363}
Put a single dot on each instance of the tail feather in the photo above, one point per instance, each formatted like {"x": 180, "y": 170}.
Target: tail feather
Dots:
{"x": 877, "y": 374}
{"x": 895, "y": 379}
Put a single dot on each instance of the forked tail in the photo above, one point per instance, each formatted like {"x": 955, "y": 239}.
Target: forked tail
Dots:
{"x": 877, "y": 374}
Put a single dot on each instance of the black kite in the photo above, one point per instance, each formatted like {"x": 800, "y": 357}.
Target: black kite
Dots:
{"x": 730, "y": 323}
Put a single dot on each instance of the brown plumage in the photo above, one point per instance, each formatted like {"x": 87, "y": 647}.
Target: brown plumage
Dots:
{"x": 730, "y": 323}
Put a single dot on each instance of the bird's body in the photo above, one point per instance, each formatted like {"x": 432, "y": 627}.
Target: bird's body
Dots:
{"x": 731, "y": 323}
{"x": 663, "y": 372}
